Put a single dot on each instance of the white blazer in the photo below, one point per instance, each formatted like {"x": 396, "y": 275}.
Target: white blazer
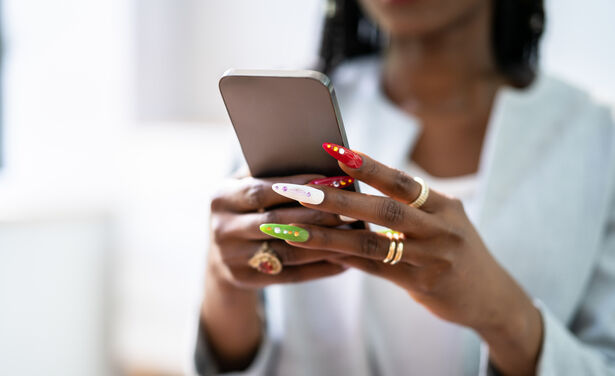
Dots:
{"x": 546, "y": 211}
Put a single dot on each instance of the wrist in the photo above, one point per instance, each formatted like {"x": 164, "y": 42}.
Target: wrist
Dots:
{"x": 232, "y": 321}
{"x": 515, "y": 342}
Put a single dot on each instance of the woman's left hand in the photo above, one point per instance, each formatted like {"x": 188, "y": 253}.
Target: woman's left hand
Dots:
{"x": 445, "y": 266}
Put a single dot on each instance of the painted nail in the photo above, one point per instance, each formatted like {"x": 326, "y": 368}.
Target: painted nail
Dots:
{"x": 285, "y": 232}
{"x": 343, "y": 218}
{"x": 335, "y": 182}
{"x": 301, "y": 193}
{"x": 344, "y": 155}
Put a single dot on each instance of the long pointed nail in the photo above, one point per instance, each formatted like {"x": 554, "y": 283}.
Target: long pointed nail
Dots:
{"x": 335, "y": 181}
{"x": 285, "y": 232}
{"x": 344, "y": 155}
{"x": 301, "y": 193}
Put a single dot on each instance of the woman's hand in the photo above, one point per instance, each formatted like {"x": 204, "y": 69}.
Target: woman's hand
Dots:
{"x": 231, "y": 311}
{"x": 236, "y": 213}
{"x": 445, "y": 266}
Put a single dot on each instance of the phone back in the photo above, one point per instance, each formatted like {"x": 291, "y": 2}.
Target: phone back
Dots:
{"x": 282, "y": 118}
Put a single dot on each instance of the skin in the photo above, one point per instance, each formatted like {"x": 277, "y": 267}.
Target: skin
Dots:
{"x": 231, "y": 310}
{"x": 445, "y": 266}
{"x": 438, "y": 68}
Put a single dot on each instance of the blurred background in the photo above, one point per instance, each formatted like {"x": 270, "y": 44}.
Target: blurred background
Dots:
{"x": 111, "y": 124}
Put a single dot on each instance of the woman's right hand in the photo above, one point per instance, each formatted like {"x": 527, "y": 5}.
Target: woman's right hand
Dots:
{"x": 236, "y": 214}
{"x": 231, "y": 309}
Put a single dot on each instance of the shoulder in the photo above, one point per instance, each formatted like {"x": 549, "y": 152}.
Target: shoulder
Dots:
{"x": 568, "y": 131}
{"x": 564, "y": 105}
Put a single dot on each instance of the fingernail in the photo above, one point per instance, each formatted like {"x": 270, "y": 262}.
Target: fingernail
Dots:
{"x": 285, "y": 232}
{"x": 347, "y": 219}
{"x": 301, "y": 193}
{"x": 335, "y": 182}
{"x": 344, "y": 155}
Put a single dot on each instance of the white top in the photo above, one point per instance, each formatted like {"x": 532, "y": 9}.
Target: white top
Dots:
{"x": 435, "y": 335}
{"x": 543, "y": 202}
{"x": 462, "y": 187}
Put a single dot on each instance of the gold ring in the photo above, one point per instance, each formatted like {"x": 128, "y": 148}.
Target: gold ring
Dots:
{"x": 396, "y": 247}
{"x": 399, "y": 253}
{"x": 422, "y": 196}
{"x": 265, "y": 260}
{"x": 392, "y": 247}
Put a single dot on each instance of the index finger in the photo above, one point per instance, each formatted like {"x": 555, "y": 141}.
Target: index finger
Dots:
{"x": 252, "y": 194}
{"x": 392, "y": 182}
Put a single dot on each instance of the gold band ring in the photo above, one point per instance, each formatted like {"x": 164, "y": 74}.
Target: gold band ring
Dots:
{"x": 422, "y": 196}
{"x": 391, "y": 253}
{"x": 396, "y": 247}
{"x": 399, "y": 252}
{"x": 265, "y": 260}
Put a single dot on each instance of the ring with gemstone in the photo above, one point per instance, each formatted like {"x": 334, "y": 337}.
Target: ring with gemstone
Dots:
{"x": 265, "y": 260}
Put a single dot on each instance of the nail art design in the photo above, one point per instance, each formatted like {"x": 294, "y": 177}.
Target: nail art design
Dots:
{"x": 346, "y": 156}
{"x": 335, "y": 182}
{"x": 301, "y": 193}
{"x": 285, "y": 232}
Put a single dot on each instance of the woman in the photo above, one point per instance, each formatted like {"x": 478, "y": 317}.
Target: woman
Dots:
{"x": 506, "y": 265}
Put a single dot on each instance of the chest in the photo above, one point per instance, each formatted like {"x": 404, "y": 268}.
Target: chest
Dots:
{"x": 450, "y": 147}
{"x": 544, "y": 228}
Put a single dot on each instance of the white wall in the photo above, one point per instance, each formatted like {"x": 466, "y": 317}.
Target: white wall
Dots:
{"x": 580, "y": 44}
{"x": 54, "y": 318}
{"x": 185, "y": 46}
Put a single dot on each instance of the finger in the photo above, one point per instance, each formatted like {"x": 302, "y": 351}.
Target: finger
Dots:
{"x": 251, "y": 194}
{"x": 363, "y": 243}
{"x": 248, "y": 277}
{"x": 392, "y": 182}
{"x": 402, "y": 274}
{"x": 381, "y": 210}
{"x": 238, "y": 253}
{"x": 246, "y": 226}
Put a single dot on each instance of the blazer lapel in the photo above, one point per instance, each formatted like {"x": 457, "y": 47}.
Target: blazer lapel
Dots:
{"x": 520, "y": 127}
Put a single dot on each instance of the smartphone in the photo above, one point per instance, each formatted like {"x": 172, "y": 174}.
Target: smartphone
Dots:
{"x": 282, "y": 118}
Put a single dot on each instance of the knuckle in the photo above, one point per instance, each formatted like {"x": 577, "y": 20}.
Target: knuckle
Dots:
{"x": 372, "y": 169}
{"x": 287, "y": 256}
{"x": 391, "y": 212}
{"x": 318, "y": 217}
{"x": 271, "y": 216}
{"x": 454, "y": 235}
{"x": 254, "y": 194}
{"x": 218, "y": 230}
{"x": 323, "y": 238}
{"x": 370, "y": 245}
{"x": 341, "y": 201}
{"x": 456, "y": 204}
{"x": 402, "y": 183}
{"x": 217, "y": 202}
{"x": 427, "y": 283}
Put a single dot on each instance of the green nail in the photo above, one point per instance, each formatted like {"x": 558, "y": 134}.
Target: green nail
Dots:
{"x": 285, "y": 232}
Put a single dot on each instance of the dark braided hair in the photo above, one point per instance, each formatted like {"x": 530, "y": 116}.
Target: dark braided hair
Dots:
{"x": 517, "y": 28}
